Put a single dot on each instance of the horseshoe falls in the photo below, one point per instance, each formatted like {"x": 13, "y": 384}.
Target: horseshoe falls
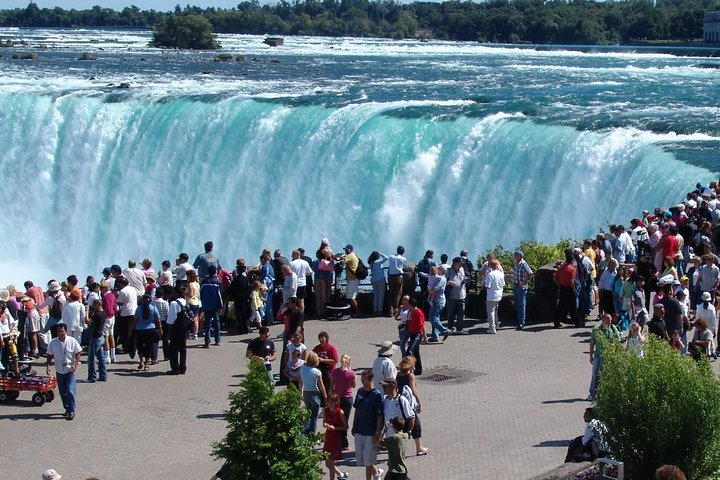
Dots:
{"x": 371, "y": 142}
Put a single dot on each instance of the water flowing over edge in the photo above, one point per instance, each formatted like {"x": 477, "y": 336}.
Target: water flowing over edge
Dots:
{"x": 99, "y": 180}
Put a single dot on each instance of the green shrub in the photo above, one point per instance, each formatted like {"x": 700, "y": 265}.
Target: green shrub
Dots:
{"x": 185, "y": 31}
{"x": 536, "y": 255}
{"x": 264, "y": 439}
{"x": 660, "y": 409}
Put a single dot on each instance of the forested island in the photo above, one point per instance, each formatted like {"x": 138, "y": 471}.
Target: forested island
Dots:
{"x": 512, "y": 21}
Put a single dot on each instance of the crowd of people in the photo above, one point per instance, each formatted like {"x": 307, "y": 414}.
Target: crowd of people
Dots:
{"x": 660, "y": 276}
{"x": 664, "y": 262}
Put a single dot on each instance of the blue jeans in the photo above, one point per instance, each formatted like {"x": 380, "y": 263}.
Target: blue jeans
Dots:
{"x": 585, "y": 298}
{"x": 456, "y": 313}
{"x": 379, "y": 288}
{"x": 96, "y": 353}
{"x": 312, "y": 403}
{"x": 414, "y": 350}
{"x": 520, "y": 295}
{"x": 597, "y": 363}
{"x": 66, "y": 388}
{"x": 269, "y": 314}
{"x": 437, "y": 327}
{"x": 404, "y": 337}
{"x": 212, "y": 319}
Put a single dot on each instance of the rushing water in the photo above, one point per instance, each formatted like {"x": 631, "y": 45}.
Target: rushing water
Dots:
{"x": 373, "y": 142}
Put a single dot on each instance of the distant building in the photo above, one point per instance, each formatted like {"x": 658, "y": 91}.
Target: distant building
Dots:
{"x": 711, "y": 27}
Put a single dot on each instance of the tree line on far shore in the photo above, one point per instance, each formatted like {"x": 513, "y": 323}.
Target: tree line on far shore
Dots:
{"x": 515, "y": 21}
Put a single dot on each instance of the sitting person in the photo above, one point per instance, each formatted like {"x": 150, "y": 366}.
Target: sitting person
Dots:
{"x": 702, "y": 339}
{"x": 588, "y": 446}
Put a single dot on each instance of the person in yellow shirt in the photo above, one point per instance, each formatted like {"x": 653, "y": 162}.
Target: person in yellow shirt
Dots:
{"x": 351, "y": 262}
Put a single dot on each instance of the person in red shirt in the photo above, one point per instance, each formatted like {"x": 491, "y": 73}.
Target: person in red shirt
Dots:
{"x": 329, "y": 358}
{"x": 669, "y": 243}
{"x": 416, "y": 329}
{"x": 565, "y": 279}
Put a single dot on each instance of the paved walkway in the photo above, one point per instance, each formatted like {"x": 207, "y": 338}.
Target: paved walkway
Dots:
{"x": 519, "y": 398}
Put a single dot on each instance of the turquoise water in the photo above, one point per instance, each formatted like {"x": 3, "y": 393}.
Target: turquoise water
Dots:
{"x": 372, "y": 142}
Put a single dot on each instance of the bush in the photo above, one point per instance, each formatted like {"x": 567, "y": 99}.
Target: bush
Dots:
{"x": 536, "y": 255}
{"x": 264, "y": 440}
{"x": 185, "y": 31}
{"x": 660, "y": 409}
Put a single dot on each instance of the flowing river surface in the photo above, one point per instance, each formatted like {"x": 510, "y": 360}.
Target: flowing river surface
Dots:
{"x": 372, "y": 142}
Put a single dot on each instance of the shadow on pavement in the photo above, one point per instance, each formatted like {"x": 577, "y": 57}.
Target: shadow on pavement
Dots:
{"x": 553, "y": 443}
{"x": 140, "y": 373}
{"x": 33, "y": 416}
{"x": 212, "y": 416}
{"x": 566, "y": 400}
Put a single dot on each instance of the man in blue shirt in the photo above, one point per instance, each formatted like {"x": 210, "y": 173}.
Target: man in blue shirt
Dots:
{"x": 212, "y": 305}
{"x": 367, "y": 427}
{"x": 205, "y": 260}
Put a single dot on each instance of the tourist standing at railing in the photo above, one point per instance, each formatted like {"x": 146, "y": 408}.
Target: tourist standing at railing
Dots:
{"x": 565, "y": 279}
{"x": 583, "y": 275}
{"x": 466, "y": 263}
{"x": 182, "y": 266}
{"x": 203, "y": 262}
{"x": 324, "y": 267}
{"x": 494, "y": 282}
{"x": 521, "y": 274}
{"x": 396, "y": 265}
{"x": 456, "y": 278}
{"x": 379, "y": 284}
{"x": 605, "y": 286}
{"x": 423, "y": 269}
{"x": 352, "y": 283}
{"x": 302, "y": 270}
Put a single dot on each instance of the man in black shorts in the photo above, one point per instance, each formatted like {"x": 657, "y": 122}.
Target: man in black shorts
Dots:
{"x": 302, "y": 269}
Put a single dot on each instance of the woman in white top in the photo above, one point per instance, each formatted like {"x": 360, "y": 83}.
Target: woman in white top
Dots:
{"x": 706, "y": 311}
{"x": 7, "y": 325}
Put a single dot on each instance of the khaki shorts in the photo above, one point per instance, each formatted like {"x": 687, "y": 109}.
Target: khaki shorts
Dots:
{"x": 109, "y": 325}
{"x": 351, "y": 289}
{"x": 365, "y": 451}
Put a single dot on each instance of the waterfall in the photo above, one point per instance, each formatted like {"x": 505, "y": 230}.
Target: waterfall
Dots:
{"x": 94, "y": 178}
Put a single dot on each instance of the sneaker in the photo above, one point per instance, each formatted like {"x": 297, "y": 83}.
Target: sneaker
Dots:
{"x": 70, "y": 416}
{"x": 207, "y": 345}
{"x": 378, "y": 475}
{"x": 343, "y": 476}
{"x": 590, "y": 398}
{"x": 446, "y": 335}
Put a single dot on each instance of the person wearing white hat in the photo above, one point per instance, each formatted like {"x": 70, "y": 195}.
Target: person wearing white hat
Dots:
{"x": 706, "y": 311}
{"x": 383, "y": 366}
{"x": 54, "y": 302}
{"x": 51, "y": 474}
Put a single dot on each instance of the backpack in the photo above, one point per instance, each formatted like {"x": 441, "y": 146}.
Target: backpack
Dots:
{"x": 407, "y": 393}
{"x": 185, "y": 316}
{"x": 361, "y": 272}
{"x": 56, "y": 309}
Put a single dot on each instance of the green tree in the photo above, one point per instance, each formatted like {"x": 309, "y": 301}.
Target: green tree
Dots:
{"x": 660, "y": 409}
{"x": 264, "y": 439}
{"x": 185, "y": 31}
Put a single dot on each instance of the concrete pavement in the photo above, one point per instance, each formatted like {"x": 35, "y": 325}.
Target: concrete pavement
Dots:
{"x": 517, "y": 399}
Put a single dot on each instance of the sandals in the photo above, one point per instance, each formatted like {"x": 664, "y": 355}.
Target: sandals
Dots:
{"x": 423, "y": 451}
